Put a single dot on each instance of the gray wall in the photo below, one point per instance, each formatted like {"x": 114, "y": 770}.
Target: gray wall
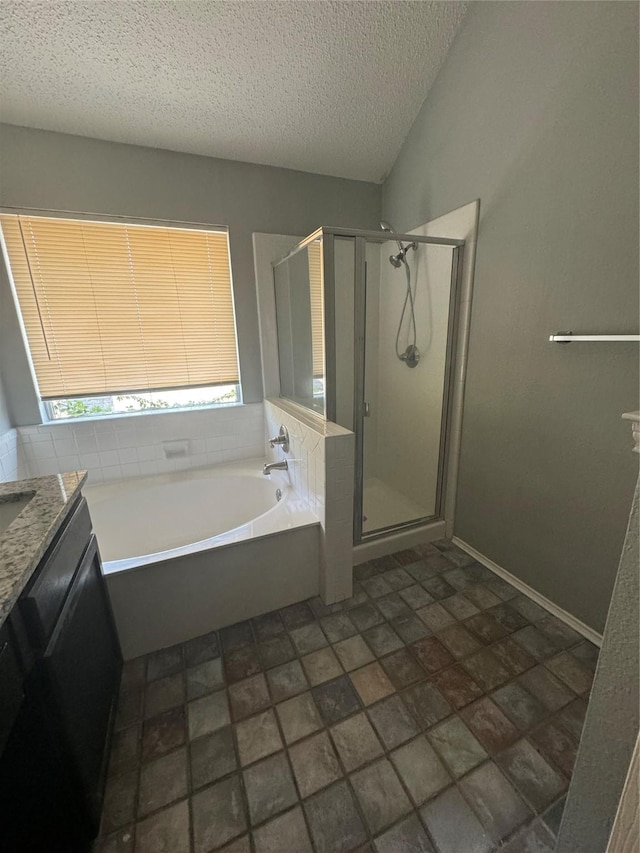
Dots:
{"x": 70, "y": 173}
{"x": 535, "y": 111}
{"x": 5, "y": 423}
{"x": 611, "y": 724}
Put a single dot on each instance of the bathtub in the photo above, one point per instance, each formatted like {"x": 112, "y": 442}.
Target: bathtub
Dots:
{"x": 192, "y": 551}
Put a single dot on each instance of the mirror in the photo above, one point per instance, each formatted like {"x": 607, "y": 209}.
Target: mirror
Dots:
{"x": 299, "y": 296}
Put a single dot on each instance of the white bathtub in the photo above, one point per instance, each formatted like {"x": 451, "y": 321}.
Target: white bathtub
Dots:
{"x": 190, "y": 552}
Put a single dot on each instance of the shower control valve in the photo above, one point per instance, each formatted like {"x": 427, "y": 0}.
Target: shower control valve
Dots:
{"x": 282, "y": 439}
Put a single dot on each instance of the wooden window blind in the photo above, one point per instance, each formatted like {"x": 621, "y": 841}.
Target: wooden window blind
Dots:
{"x": 316, "y": 292}
{"x": 113, "y": 308}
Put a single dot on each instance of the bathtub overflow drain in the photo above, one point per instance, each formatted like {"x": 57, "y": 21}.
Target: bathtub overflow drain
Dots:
{"x": 278, "y": 494}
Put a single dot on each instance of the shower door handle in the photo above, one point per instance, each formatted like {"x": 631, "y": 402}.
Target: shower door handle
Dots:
{"x": 366, "y": 410}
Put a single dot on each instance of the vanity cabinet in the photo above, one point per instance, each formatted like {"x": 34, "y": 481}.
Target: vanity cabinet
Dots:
{"x": 62, "y": 670}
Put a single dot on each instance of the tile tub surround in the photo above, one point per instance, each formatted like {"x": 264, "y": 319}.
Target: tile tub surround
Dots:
{"x": 291, "y": 732}
{"x": 25, "y": 540}
{"x": 321, "y": 468}
{"x": 12, "y": 465}
{"x": 116, "y": 448}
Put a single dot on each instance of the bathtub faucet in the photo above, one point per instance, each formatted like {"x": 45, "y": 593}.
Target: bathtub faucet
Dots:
{"x": 275, "y": 466}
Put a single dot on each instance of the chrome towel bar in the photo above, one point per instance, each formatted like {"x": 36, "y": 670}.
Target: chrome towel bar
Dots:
{"x": 569, "y": 337}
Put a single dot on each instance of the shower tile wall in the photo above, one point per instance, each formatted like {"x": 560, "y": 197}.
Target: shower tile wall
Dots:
{"x": 321, "y": 463}
{"x": 131, "y": 446}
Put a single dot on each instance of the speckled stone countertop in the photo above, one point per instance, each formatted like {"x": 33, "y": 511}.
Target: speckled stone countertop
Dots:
{"x": 25, "y": 540}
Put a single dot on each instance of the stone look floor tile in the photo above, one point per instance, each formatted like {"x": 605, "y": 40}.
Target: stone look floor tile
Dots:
{"x": 162, "y": 694}
{"x": 218, "y": 815}
{"x": 201, "y": 649}
{"x": 382, "y": 639}
{"x": 392, "y": 721}
{"x": 409, "y": 627}
{"x": 460, "y": 607}
{"x": 457, "y": 686}
{"x": 286, "y": 680}
{"x": 298, "y": 717}
{"x": 234, "y": 636}
{"x": 276, "y": 651}
{"x": 408, "y": 836}
{"x": 420, "y": 769}
{"x": 520, "y": 706}
{"x": 314, "y": 764}
{"x": 163, "y": 733}
{"x": 162, "y": 781}
{"x": 380, "y": 795}
{"x": 485, "y": 668}
{"x": 572, "y": 672}
{"x": 208, "y": 714}
{"x": 241, "y": 663}
{"x": 513, "y": 657}
{"x": 267, "y": 626}
{"x": 212, "y": 757}
{"x": 321, "y": 666}
{"x": 308, "y": 638}
{"x": 494, "y": 731}
{"x": 336, "y": 700}
{"x": 427, "y": 704}
{"x": 353, "y": 653}
{"x": 366, "y": 616}
{"x": 457, "y": 747}
{"x": 500, "y": 808}
{"x": 165, "y": 832}
{"x": 269, "y": 786}
{"x": 204, "y": 678}
{"x": 296, "y": 615}
{"x": 453, "y": 825}
{"x": 403, "y": 669}
{"x": 344, "y": 832}
{"x": 546, "y": 688}
{"x": 303, "y": 719}
{"x": 249, "y": 696}
{"x": 165, "y": 662}
{"x": 258, "y": 737}
{"x": 338, "y": 627}
{"x": 459, "y": 641}
{"x": 356, "y": 742}
{"x": 371, "y": 683}
{"x": 287, "y": 832}
{"x": 416, "y": 596}
{"x": 435, "y": 616}
{"x": 432, "y": 654}
{"x": 538, "y": 783}
{"x": 556, "y": 745}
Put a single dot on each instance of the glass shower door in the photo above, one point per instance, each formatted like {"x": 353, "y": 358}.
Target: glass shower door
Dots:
{"x": 402, "y": 404}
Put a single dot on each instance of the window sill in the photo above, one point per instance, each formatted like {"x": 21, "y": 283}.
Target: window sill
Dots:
{"x": 97, "y": 419}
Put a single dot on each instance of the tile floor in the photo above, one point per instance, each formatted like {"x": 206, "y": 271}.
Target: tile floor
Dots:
{"x": 436, "y": 710}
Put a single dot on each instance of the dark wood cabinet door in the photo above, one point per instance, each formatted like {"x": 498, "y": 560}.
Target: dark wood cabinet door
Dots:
{"x": 80, "y": 672}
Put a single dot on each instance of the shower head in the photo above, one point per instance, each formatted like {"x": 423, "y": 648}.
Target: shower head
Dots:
{"x": 387, "y": 227}
{"x": 397, "y": 260}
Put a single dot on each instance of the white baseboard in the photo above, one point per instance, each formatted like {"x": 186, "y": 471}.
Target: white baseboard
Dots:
{"x": 536, "y": 596}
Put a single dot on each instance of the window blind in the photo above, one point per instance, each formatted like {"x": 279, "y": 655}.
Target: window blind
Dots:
{"x": 316, "y": 292}
{"x": 111, "y": 308}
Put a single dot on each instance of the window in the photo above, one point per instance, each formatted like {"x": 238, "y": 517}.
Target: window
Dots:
{"x": 316, "y": 296}
{"x": 137, "y": 316}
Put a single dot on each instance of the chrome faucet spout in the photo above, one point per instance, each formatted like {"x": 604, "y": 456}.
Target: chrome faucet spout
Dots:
{"x": 275, "y": 466}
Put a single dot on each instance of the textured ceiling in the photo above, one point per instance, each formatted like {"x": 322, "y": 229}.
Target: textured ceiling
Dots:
{"x": 330, "y": 87}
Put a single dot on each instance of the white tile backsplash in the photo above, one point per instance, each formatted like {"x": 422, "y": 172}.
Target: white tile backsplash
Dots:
{"x": 12, "y": 465}
{"x": 131, "y": 446}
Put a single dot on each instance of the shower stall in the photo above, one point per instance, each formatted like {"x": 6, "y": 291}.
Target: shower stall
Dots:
{"x": 366, "y": 325}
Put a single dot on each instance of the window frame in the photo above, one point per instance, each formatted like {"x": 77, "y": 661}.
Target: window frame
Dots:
{"x": 119, "y": 219}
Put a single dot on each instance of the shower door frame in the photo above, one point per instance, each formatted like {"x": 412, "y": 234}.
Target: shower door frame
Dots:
{"x": 359, "y": 414}
{"x": 361, "y": 237}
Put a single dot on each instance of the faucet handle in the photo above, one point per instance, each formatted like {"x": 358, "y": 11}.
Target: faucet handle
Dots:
{"x": 281, "y": 439}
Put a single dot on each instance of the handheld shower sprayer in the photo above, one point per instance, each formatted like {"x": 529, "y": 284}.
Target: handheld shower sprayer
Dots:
{"x": 411, "y": 355}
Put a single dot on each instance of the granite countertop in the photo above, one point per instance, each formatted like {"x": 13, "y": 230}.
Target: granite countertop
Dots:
{"x": 25, "y": 540}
